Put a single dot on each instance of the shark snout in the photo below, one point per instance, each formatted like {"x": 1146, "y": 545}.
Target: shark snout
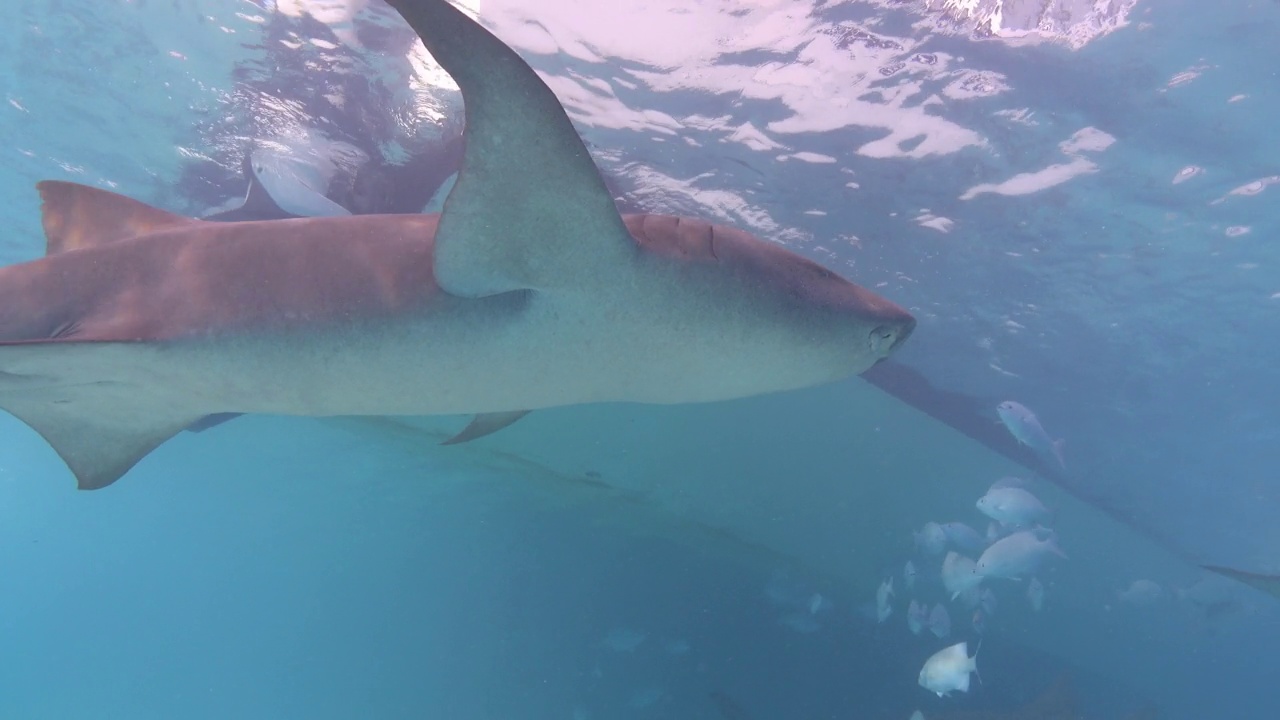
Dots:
{"x": 889, "y": 336}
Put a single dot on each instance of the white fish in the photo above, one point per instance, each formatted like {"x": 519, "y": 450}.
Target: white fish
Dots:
{"x": 909, "y": 575}
{"x": 1141, "y": 593}
{"x": 948, "y": 670}
{"x": 994, "y": 532}
{"x": 963, "y": 537}
{"x": 940, "y": 621}
{"x": 917, "y": 616}
{"x": 1009, "y": 481}
{"x": 958, "y": 574}
{"x": 1025, "y": 426}
{"x": 931, "y": 539}
{"x": 1035, "y": 594}
{"x": 979, "y": 621}
{"x": 816, "y": 603}
{"x": 1013, "y": 506}
{"x": 1018, "y": 554}
{"x": 883, "y": 593}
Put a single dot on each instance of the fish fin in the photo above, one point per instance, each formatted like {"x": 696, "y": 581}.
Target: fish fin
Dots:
{"x": 1057, "y": 452}
{"x": 485, "y": 424}
{"x": 1269, "y": 584}
{"x": 529, "y": 209}
{"x": 257, "y": 204}
{"x": 78, "y": 216}
{"x": 99, "y": 429}
{"x": 211, "y": 421}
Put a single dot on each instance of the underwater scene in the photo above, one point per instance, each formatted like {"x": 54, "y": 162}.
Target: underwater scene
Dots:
{"x": 640, "y": 359}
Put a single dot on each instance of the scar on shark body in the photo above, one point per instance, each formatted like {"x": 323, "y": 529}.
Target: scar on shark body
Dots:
{"x": 528, "y": 291}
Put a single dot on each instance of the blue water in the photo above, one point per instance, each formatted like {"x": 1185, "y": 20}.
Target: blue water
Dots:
{"x": 1082, "y": 225}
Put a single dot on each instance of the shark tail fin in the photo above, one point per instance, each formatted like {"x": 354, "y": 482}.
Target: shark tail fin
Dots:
{"x": 78, "y": 216}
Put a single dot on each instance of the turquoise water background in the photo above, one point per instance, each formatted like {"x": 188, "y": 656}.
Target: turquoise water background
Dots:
{"x": 280, "y": 568}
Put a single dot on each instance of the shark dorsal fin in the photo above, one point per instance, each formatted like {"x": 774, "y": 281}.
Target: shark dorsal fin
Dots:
{"x": 78, "y": 216}
{"x": 529, "y": 210}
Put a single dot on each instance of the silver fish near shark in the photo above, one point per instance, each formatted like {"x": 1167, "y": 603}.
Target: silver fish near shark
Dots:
{"x": 528, "y": 291}
{"x": 1026, "y": 428}
{"x": 1017, "y": 555}
{"x": 947, "y": 670}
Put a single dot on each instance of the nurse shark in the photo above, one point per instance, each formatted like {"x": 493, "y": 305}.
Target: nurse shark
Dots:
{"x": 528, "y": 291}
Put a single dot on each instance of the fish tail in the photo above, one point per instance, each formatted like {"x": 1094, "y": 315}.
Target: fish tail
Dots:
{"x": 1057, "y": 452}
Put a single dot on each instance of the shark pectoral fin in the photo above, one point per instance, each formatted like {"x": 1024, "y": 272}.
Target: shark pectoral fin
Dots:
{"x": 97, "y": 448}
{"x": 485, "y": 424}
{"x": 99, "y": 428}
{"x": 77, "y": 216}
{"x": 1266, "y": 583}
{"x": 529, "y": 209}
{"x": 211, "y": 421}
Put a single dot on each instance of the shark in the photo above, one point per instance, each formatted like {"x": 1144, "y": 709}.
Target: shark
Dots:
{"x": 529, "y": 290}
{"x": 1269, "y": 584}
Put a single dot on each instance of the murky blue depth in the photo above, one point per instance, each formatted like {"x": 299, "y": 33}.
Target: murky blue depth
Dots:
{"x": 1082, "y": 220}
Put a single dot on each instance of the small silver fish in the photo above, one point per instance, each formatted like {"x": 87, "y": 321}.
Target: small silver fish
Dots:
{"x": 958, "y": 574}
{"x": 1017, "y": 555}
{"x": 963, "y": 537}
{"x": 883, "y": 593}
{"x": 1013, "y": 506}
{"x": 909, "y": 575}
{"x": 816, "y": 603}
{"x": 1023, "y": 425}
{"x": 931, "y": 539}
{"x": 948, "y": 670}
{"x": 917, "y": 616}
{"x": 1035, "y": 594}
{"x": 1010, "y": 481}
{"x": 994, "y": 532}
{"x": 940, "y": 621}
{"x": 979, "y": 621}
{"x": 1141, "y": 593}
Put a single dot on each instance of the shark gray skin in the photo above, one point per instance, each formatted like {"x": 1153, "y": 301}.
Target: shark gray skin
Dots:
{"x": 528, "y": 291}
{"x": 1269, "y": 584}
